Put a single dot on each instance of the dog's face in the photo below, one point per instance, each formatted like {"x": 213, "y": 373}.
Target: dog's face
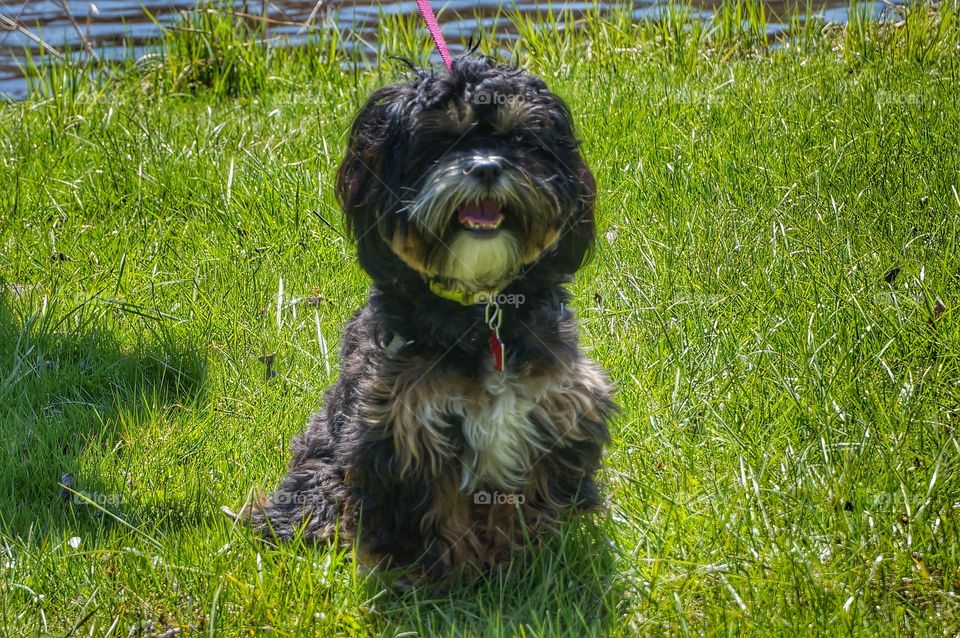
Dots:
{"x": 466, "y": 176}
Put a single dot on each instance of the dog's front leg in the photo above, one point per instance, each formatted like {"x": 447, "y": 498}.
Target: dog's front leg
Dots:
{"x": 310, "y": 500}
{"x": 411, "y": 517}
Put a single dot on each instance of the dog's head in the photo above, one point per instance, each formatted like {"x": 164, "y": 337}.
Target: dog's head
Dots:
{"x": 466, "y": 176}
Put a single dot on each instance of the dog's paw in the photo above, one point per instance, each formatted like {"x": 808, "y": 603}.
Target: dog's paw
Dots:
{"x": 233, "y": 516}
{"x": 251, "y": 513}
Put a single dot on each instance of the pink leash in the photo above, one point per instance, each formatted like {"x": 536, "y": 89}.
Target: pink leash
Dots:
{"x": 427, "y": 12}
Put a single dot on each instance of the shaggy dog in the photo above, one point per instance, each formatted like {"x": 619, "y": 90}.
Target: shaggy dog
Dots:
{"x": 465, "y": 420}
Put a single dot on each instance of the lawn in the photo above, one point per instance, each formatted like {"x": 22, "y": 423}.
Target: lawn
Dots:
{"x": 774, "y": 291}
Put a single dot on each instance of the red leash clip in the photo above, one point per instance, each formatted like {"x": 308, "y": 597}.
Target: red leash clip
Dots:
{"x": 493, "y": 315}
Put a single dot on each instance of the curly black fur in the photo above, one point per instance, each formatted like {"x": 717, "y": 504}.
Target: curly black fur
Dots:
{"x": 392, "y": 459}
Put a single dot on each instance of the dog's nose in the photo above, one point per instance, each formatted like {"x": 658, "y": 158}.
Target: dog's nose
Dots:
{"x": 487, "y": 170}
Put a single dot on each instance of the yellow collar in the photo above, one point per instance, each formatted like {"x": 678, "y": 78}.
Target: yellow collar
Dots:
{"x": 458, "y": 295}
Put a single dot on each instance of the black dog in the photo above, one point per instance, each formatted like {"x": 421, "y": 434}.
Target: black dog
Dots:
{"x": 465, "y": 419}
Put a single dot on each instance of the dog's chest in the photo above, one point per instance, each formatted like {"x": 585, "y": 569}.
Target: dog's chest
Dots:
{"x": 500, "y": 434}
{"x": 492, "y": 429}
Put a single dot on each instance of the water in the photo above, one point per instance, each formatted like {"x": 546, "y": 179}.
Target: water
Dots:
{"x": 121, "y": 28}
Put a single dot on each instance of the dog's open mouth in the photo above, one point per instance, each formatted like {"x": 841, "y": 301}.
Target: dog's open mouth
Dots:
{"x": 484, "y": 214}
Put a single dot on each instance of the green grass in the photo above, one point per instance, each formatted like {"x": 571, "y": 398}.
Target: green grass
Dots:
{"x": 774, "y": 292}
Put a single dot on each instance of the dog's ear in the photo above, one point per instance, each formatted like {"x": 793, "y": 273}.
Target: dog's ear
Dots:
{"x": 361, "y": 180}
{"x": 363, "y": 160}
{"x": 577, "y": 234}
{"x": 575, "y": 243}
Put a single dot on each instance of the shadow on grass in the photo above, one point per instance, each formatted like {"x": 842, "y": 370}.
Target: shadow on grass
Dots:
{"x": 70, "y": 383}
{"x": 567, "y": 586}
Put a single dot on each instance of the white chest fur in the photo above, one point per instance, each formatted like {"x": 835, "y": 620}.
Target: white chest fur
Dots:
{"x": 493, "y": 429}
{"x": 501, "y": 438}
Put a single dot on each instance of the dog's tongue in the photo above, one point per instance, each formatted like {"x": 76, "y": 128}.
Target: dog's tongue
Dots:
{"x": 484, "y": 213}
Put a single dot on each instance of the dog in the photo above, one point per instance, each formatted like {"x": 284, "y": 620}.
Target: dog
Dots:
{"x": 466, "y": 422}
